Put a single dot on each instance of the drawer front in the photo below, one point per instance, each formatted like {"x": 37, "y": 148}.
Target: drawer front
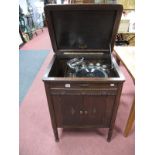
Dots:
{"x": 83, "y": 111}
{"x": 84, "y": 91}
{"x": 83, "y": 85}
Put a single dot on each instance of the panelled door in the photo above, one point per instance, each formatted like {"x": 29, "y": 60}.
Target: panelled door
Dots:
{"x": 83, "y": 110}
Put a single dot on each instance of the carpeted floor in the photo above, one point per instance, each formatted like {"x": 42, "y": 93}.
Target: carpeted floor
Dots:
{"x": 30, "y": 62}
{"x": 36, "y": 135}
{"x": 40, "y": 42}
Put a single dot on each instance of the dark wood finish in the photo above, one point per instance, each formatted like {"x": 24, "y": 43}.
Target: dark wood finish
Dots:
{"x": 82, "y": 102}
{"x": 118, "y": 60}
{"x": 83, "y": 110}
{"x": 114, "y": 110}
{"x": 115, "y": 9}
{"x": 89, "y": 102}
{"x": 51, "y": 110}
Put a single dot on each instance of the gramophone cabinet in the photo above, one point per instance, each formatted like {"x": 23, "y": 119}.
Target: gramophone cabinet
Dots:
{"x": 83, "y": 82}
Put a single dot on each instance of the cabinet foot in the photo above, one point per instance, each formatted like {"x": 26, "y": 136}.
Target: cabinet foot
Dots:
{"x": 108, "y": 139}
{"x": 56, "y": 139}
{"x": 56, "y": 135}
{"x": 109, "y": 135}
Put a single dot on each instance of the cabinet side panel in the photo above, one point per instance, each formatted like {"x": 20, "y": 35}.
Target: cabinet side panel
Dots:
{"x": 51, "y": 110}
{"x": 115, "y": 109}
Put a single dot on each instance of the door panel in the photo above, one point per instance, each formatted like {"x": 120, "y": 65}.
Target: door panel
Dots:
{"x": 99, "y": 109}
{"x": 67, "y": 108}
{"x": 75, "y": 110}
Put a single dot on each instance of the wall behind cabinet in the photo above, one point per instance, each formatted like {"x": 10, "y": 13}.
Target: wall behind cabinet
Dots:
{"x": 127, "y": 4}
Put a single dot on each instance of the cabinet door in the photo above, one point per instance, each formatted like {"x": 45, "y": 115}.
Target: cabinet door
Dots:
{"x": 76, "y": 110}
{"x": 98, "y": 110}
{"x": 67, "y": 109}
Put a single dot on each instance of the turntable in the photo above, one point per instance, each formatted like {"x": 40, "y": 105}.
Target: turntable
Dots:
{"x": 83, "y": 82}
{"x": 79, "y": 68}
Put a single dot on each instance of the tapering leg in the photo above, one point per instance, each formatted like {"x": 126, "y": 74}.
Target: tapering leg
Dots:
{"x": 56, "y": 134}
{"x": 109, "y": 134}
{"x": 51, "y": 111}
{"x": 131, "y": 119}
{"x": 118, "y": 60}
{"x": 112, "y": 122}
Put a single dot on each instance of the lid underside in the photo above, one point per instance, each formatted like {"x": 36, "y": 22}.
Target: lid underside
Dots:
{"x": 83, "y": 27}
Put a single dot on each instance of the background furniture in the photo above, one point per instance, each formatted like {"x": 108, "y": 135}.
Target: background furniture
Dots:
{"x": 127, "y": 56}
{"x": 126, "y": 32}
{"x": 31, "y": 17}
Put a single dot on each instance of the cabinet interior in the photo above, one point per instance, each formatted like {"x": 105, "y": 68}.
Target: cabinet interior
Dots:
{"x": 60, "y": 66}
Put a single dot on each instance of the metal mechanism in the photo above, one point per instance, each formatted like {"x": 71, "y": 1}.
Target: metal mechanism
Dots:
{"x": 78, "y": 67}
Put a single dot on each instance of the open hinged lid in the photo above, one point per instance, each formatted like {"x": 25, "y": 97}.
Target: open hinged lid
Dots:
{"x": 83, "y": 27}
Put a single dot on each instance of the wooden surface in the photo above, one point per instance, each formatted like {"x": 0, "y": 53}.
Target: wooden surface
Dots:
{"x": 88, "y": 102}
{"x": 84, "y": 103}
{"x": 127, "y": 4}
{"x": 127, "y": 56}
{"x": 130, "y": 120}
{"x": 94, "y": 36}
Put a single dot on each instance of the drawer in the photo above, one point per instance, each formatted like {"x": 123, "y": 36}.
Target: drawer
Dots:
{"x": 83, "y": 85}
{"x": 84, "y": 91}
